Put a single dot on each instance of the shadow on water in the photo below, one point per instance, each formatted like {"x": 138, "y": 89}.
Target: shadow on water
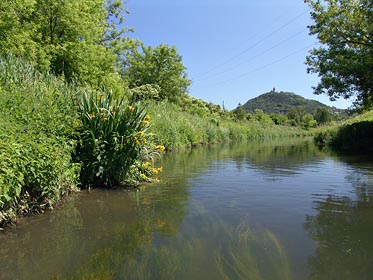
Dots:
{"x": 182, "y": 227}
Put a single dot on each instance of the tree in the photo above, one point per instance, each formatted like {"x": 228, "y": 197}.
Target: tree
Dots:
{"x": 279, "y": 119}
{"x": 308, "y": 121}
{"x": 160, "y": 66}
{"x": 322, "y": 115}
{"x": 73, "y": 39}
{"x": 295, "y": 115}
{"x": 344, "y": 61}
{"x": 239, "y": 113}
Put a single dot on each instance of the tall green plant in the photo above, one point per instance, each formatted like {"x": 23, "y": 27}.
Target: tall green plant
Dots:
{"x": 36, "y": 116}
{"x": 113, "y": 138}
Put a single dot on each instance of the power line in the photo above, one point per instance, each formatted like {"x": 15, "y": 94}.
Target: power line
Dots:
{"x": 252, "y": 58}
{"x": 255, "y": 44}
{"x": 263, "y": 67}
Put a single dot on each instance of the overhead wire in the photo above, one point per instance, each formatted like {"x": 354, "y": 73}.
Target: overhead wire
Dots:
{"x": 261, "y": 67}
{"x": 251, "y": 58}
{"x": 254, "y": 44}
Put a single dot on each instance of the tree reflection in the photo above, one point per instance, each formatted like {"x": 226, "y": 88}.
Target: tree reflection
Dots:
{"x": 343, "y": 230}
{"x": 278, "y": 157}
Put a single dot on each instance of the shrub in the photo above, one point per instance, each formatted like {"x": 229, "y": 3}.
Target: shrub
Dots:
{"x": 37, "y": 111}
{"x": 113, "y": 140}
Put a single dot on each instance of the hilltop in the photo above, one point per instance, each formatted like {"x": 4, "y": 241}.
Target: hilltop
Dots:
{"x": 281, "y": 102}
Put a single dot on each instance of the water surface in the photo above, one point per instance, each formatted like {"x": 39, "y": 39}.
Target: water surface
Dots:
{"x": 272, "y": 210}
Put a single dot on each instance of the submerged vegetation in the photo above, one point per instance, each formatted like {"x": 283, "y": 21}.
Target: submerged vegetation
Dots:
{"x": 84, "y": 105}
{"x": 57, "y": 136}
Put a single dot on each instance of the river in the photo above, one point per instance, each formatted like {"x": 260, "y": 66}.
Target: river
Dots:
{"x": 270, "y": 210}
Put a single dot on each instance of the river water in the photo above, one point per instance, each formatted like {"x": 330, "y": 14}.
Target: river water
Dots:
{"x": 271, "y": 210}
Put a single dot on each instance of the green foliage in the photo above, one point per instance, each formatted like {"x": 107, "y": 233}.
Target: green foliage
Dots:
{"x": 322, "y": 116}
{"x": 279, "y": 119}
{"x": 239, "y": 113}
{"x": 144, "y": 92}
{"x": 160, "y": 66}
{"x": 295, "y": 115}
{"x": 282, "y": 102}
{"x": 112, "y": 138}
{"x": 37, "y": 113}
{"x": 74, "y": 39}
{"x": 354, "y": 135}
{"x": 50, "y": 131}
{"x": 345, "y": 59}
{"x": 176, "y": 127}
{"x": 262, "y": 117}
{"x": 308, "y": 121}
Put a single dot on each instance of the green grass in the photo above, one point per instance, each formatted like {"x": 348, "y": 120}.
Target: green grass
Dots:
{"x": 175, "y": 127}
{"x": 55, "y": 136}
{"x": 355, "y": 134}
{"x": 50, "y": 143}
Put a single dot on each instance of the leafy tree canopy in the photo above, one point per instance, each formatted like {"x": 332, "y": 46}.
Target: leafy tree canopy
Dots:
{"x": 75, "y": 39}
{"x": 160, "y": 66}
{"x": 322, "y": 115}
{"x": 344, "y": 61}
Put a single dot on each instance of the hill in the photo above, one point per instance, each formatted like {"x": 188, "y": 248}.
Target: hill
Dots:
{"x": 281, "y": 102}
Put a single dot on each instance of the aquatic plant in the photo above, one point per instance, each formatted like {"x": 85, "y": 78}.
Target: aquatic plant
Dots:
{"x": 248, "y": 255}
{"x": 113, "y": 141}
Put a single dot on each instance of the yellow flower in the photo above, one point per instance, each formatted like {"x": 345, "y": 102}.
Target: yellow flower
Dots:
{"x": 146, "y": 164}
{"x": 160, "y": 147}
{"x": 147, "y": 117}
{"x": 140, "y": 133}
{"x": 130, "y": 108}
{"x": 145, "y": 122}
{"x": 160, "y": 169}
{"x": 143, "y": 176}
{"x": 91, "y": 116}
{"x": 137, "y": 141}
{"x": 154, "y": 170}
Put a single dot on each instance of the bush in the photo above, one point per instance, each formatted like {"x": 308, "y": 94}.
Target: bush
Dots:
{"x": 113, "y": 139}
{"x": 37, "y": 112}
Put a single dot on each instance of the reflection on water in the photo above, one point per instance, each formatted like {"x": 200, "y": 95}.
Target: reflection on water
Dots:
{"x": 273, "y": 210}
{"x": 343, "y": 228}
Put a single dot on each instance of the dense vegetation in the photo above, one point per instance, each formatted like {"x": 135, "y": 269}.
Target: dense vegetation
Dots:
{"x": 52, "y": 132}
{"x": 56, "y": 136}
{"x": 344, "y": 60}
{"x": 283, "y": 102}
{"x": 353, "y": 135}
{"x": 288, "y": 109}
{"x": 83, "y": 105}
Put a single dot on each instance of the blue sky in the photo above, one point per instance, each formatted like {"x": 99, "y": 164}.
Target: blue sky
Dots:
{"x": 233, "y": 50}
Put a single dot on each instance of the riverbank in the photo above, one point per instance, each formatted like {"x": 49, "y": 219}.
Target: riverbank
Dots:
{"x": 353, "y": 135}
{"x": 57, "y": 137}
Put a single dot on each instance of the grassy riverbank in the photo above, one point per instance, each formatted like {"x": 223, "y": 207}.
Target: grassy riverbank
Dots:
{"x": 355, "y": 134}
{"x": 176, "y": 127}
{"x": 56, "y": 137}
